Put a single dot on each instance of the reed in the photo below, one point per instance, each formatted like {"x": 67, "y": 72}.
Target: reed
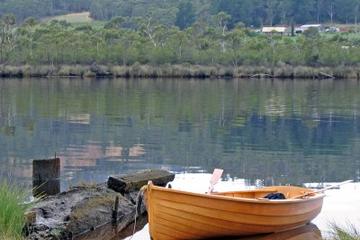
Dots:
{"x": 12, "y": 211}
{"x": 138, "y": 70}
{"x": 339, "y": 233}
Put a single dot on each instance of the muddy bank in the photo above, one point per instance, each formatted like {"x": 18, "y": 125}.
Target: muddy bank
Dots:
{"x": 90, "y": 210}
{"x": 180, "y": 71}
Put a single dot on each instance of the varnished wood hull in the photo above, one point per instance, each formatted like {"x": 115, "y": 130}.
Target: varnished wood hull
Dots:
{"x": 183, "y": 215}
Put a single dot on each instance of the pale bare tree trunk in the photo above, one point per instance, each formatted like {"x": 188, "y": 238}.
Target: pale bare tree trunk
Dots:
{"x": 223, "y": 47}
{"x": 357, "y": 8}
{"x": 149, "y": 32}
{"x": 318, "y": 11}
{"x": 331, "y": 13}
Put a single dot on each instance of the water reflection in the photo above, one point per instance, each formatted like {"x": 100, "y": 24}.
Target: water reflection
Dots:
{"x": 110, "y": 232}
{"x": 276, "y": 131}
{"x": 308, "y": 232}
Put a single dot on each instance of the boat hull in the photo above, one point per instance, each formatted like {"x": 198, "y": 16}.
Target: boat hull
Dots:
{"x": 182, "y": 215}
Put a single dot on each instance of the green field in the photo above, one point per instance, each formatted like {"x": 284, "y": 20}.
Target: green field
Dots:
{"x": 83, "y": 17}
{"x": 77, "y": 19}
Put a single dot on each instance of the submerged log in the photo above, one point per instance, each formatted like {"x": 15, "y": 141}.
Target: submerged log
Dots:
{"x": 86, "y": 209}
{"x": 326, "y": 75}
{"x": 134, "y": 182}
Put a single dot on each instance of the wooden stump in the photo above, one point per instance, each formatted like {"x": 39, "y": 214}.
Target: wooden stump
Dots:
{"x": 133, "y": 182}
{"x": 46, "y": 174}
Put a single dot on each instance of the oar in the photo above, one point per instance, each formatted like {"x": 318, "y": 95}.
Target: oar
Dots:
{"x": 215, "y": 179}
{"x": 322, "y": 190}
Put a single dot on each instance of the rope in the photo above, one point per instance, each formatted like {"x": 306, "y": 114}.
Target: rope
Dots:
{"x": 137, "y": 206}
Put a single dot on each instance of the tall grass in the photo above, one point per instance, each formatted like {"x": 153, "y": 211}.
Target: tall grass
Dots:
{"x": 339, "y": 233}
{"x": 12, "y": 210}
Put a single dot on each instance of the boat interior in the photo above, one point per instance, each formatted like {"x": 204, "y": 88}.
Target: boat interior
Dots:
{"x": 288, "y": 191}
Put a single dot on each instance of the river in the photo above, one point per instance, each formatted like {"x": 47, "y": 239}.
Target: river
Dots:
{"x": 264, "y": 131}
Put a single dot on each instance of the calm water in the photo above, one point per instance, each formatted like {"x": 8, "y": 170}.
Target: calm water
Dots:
{"x": 276, "y": 131}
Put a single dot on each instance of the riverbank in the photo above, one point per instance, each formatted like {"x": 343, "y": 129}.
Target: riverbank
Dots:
{"x": 179, "y": 71}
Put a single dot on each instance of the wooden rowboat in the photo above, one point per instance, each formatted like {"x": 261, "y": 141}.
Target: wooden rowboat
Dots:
{"x": 175, "y": 214}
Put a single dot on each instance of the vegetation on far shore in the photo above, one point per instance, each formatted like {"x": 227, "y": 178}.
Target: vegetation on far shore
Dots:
{"x": 137, "y": 70}
{"x": 12, "y": 212}
{"x": 146, "y": 47}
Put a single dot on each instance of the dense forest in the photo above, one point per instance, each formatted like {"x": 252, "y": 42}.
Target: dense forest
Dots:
{"x": 249, "y": 12}
{"x": 59, "y": 42}
{"x": 170, "y": 12}
{"x": 212, "y": 34}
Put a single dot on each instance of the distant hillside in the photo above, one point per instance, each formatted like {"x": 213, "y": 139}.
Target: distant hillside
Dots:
{"x": 161, "y": 11}
{"x": 250, "y": 12}
{"x": 23, "y": 9}
{"x": 184, "y": 13}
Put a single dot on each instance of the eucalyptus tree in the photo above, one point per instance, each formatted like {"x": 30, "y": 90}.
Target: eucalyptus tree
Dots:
{"x": 7, "y": 36}
{"x": 236, "y": 40}
{"x": 27, "y": 38}
{"x": 179, "y": 40}
{"x": 151, "y": 29}
{"x": 222, "y": 20}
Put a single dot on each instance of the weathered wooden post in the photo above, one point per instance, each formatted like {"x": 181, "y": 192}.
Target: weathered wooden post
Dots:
{"x": 46, "y": 177}
{"x": 115, "y": 211}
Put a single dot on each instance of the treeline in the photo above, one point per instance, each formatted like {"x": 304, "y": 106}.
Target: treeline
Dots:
{"x": 250, "y": 12}
{"x": 271, "y": 12}
{"x": 59, "y": 42}
{"x": 183, "y": 13}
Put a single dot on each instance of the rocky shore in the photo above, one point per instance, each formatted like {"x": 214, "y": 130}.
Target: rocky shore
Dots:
{"x": 107, "y": 208}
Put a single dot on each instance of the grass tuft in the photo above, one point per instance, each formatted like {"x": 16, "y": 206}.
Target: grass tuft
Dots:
{"x": 12, "y": 211}
{"x": 339, "y": 233}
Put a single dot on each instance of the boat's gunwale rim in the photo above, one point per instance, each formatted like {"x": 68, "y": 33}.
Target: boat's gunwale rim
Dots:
{"x": 317, "y": 196}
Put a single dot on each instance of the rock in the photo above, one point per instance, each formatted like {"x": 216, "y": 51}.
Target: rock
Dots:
{"x": 78, "y": 211}
{"x": 134, "y": 182}
{"x": 86, "y": 209}
{"x": 30, "y": 217}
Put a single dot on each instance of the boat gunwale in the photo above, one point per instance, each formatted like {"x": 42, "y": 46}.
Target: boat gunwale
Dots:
{"x": 317, "y": 196}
